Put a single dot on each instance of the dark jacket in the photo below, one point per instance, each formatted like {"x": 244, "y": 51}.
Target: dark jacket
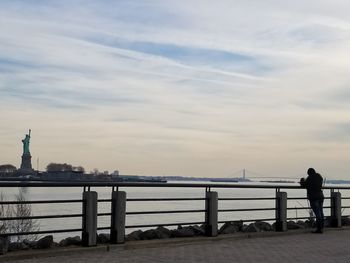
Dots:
{"x": 313, "y": 184}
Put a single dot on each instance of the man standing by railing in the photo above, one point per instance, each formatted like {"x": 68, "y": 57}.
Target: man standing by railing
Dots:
{"x": 313, "y": 184}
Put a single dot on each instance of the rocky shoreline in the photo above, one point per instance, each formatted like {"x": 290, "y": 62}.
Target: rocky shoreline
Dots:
{"x": 158, "y": 233}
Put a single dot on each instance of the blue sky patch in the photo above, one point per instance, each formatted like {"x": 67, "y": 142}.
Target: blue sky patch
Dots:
{"x": 212, "y": 58}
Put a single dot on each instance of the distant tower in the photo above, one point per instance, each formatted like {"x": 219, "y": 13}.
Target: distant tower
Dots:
{"x": 26, "y": 164}
{"x": 243, "y": 174}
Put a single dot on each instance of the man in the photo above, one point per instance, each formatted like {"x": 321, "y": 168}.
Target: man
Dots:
{"x": 313, "y": 184}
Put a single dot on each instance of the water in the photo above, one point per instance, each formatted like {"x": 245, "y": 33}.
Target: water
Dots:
{"x": 57, "y": 193}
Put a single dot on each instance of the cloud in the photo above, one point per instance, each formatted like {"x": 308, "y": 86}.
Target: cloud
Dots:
{"x": 338, "y": 132}
{"x": 230, "y": 81}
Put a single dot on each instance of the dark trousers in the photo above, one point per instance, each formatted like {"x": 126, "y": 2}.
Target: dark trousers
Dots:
{"x": 317, "y": 208}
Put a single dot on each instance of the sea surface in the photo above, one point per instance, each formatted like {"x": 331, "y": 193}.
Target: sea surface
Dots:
{"x": 58, "y": 193}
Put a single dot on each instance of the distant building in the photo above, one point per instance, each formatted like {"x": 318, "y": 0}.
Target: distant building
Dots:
{"x": 63, "y": 176}
{"x": 115, "y": 175}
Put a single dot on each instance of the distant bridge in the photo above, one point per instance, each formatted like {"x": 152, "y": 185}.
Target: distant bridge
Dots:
{"x": 248, "y": 174}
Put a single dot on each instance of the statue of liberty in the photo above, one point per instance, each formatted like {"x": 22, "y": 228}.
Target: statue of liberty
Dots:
{"x": 25, "y": 142}
{"x": 26, "y": 165}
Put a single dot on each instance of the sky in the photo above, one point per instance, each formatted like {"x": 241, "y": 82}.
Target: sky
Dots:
{"x": 192, "y": 88}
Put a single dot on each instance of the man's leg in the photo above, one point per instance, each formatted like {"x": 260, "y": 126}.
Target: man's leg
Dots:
{"x": 321, "y": 213}
{"x": 316, "y": 206}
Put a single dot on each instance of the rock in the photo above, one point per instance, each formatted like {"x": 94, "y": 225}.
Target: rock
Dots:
{"x": 302, "y": 224}
{"x": 239, "y": 224}
{"x": 149, "y": 234}
{"x": 70, "y": 241}
{"x": 291, "y": 225}
{"x": 202, "y": 226}
{"x": 231, "y": 227}
{"x": 228, "y": 228}
{"x": 183, "y": 232}
{"x": 263, "y": 226}
{"x": 163, "y": 232}
{"x": 345, "y": 221}
{"x": 103, "y": 238}
{"x": 29, "y": 243}
{"x": 250, "y": 228}
{"x": 158, "y": 233}
{"x": 273, "y": 226}
{"x": 75, "y": 240}
{"x": 13, "y": 246}
{"x": 45, "y": 242}
{"x": 63, "y": 243}
{"x": 4, "y": 245}
{"x": 310, "y": 223}
{"x": 135, "y": 235}
{"x": 198, "y": 230}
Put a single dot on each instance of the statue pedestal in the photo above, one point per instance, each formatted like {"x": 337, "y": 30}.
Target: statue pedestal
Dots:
{"x": 26, "y": 165}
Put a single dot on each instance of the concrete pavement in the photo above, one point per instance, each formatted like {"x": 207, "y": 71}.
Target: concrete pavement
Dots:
{"x": 332, "y": 246}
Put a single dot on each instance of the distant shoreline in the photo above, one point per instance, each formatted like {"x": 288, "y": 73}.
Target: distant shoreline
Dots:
{"x": 161, "y": 179}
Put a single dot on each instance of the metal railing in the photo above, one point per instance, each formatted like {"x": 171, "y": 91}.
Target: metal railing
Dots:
{"x": 210, "y": 200}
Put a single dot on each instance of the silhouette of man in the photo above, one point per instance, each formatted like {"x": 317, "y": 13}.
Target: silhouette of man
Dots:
{"x": 313, "y": 184}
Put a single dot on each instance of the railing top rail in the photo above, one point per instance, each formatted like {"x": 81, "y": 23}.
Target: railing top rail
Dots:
{"x": 141, "y": 184}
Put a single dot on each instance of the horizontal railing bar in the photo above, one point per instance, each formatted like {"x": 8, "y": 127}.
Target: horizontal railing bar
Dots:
{"x": 104, "y": 228}
{"x": 345, "y": 198}
{"x": 141, "y": 184}
{"x": 302, "y": 198}
{"x": 301, "y": 208}
{"x": 41, "y": 202}
{"x": 148, "y": 199}
{"x": 42, "y": 232}
{"x": 39, "y": 217}
{"x": 104, "y": 214}
{"x": 345, "y": 207}
{"x": 247, "y": 220}
{"x": 104, "y": 200}
{"x": 163, "y": 199}
{"x": 246, "y": 199}
{"x": 164, "y": 212}
{"x": 246, "y": 209}
{"x": 170, "y": 224}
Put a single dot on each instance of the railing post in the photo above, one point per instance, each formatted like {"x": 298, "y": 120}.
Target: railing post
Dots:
{"x": 4, "y": 244}
{"x": 281, "y": 211}
{"x": 211, "y": 214}
{"x": 335, "y": 209}
{"x": 118, "y": 208}
{"x": 89, "y": 219}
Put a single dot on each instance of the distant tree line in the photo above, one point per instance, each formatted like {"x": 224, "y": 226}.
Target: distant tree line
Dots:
{"x": 63, "y": 167}
{"x": 7, "y": 168}
{"x": 51, "y": 167}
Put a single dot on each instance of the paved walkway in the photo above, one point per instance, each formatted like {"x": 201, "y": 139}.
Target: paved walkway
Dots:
{"x": 332, "y": 246}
